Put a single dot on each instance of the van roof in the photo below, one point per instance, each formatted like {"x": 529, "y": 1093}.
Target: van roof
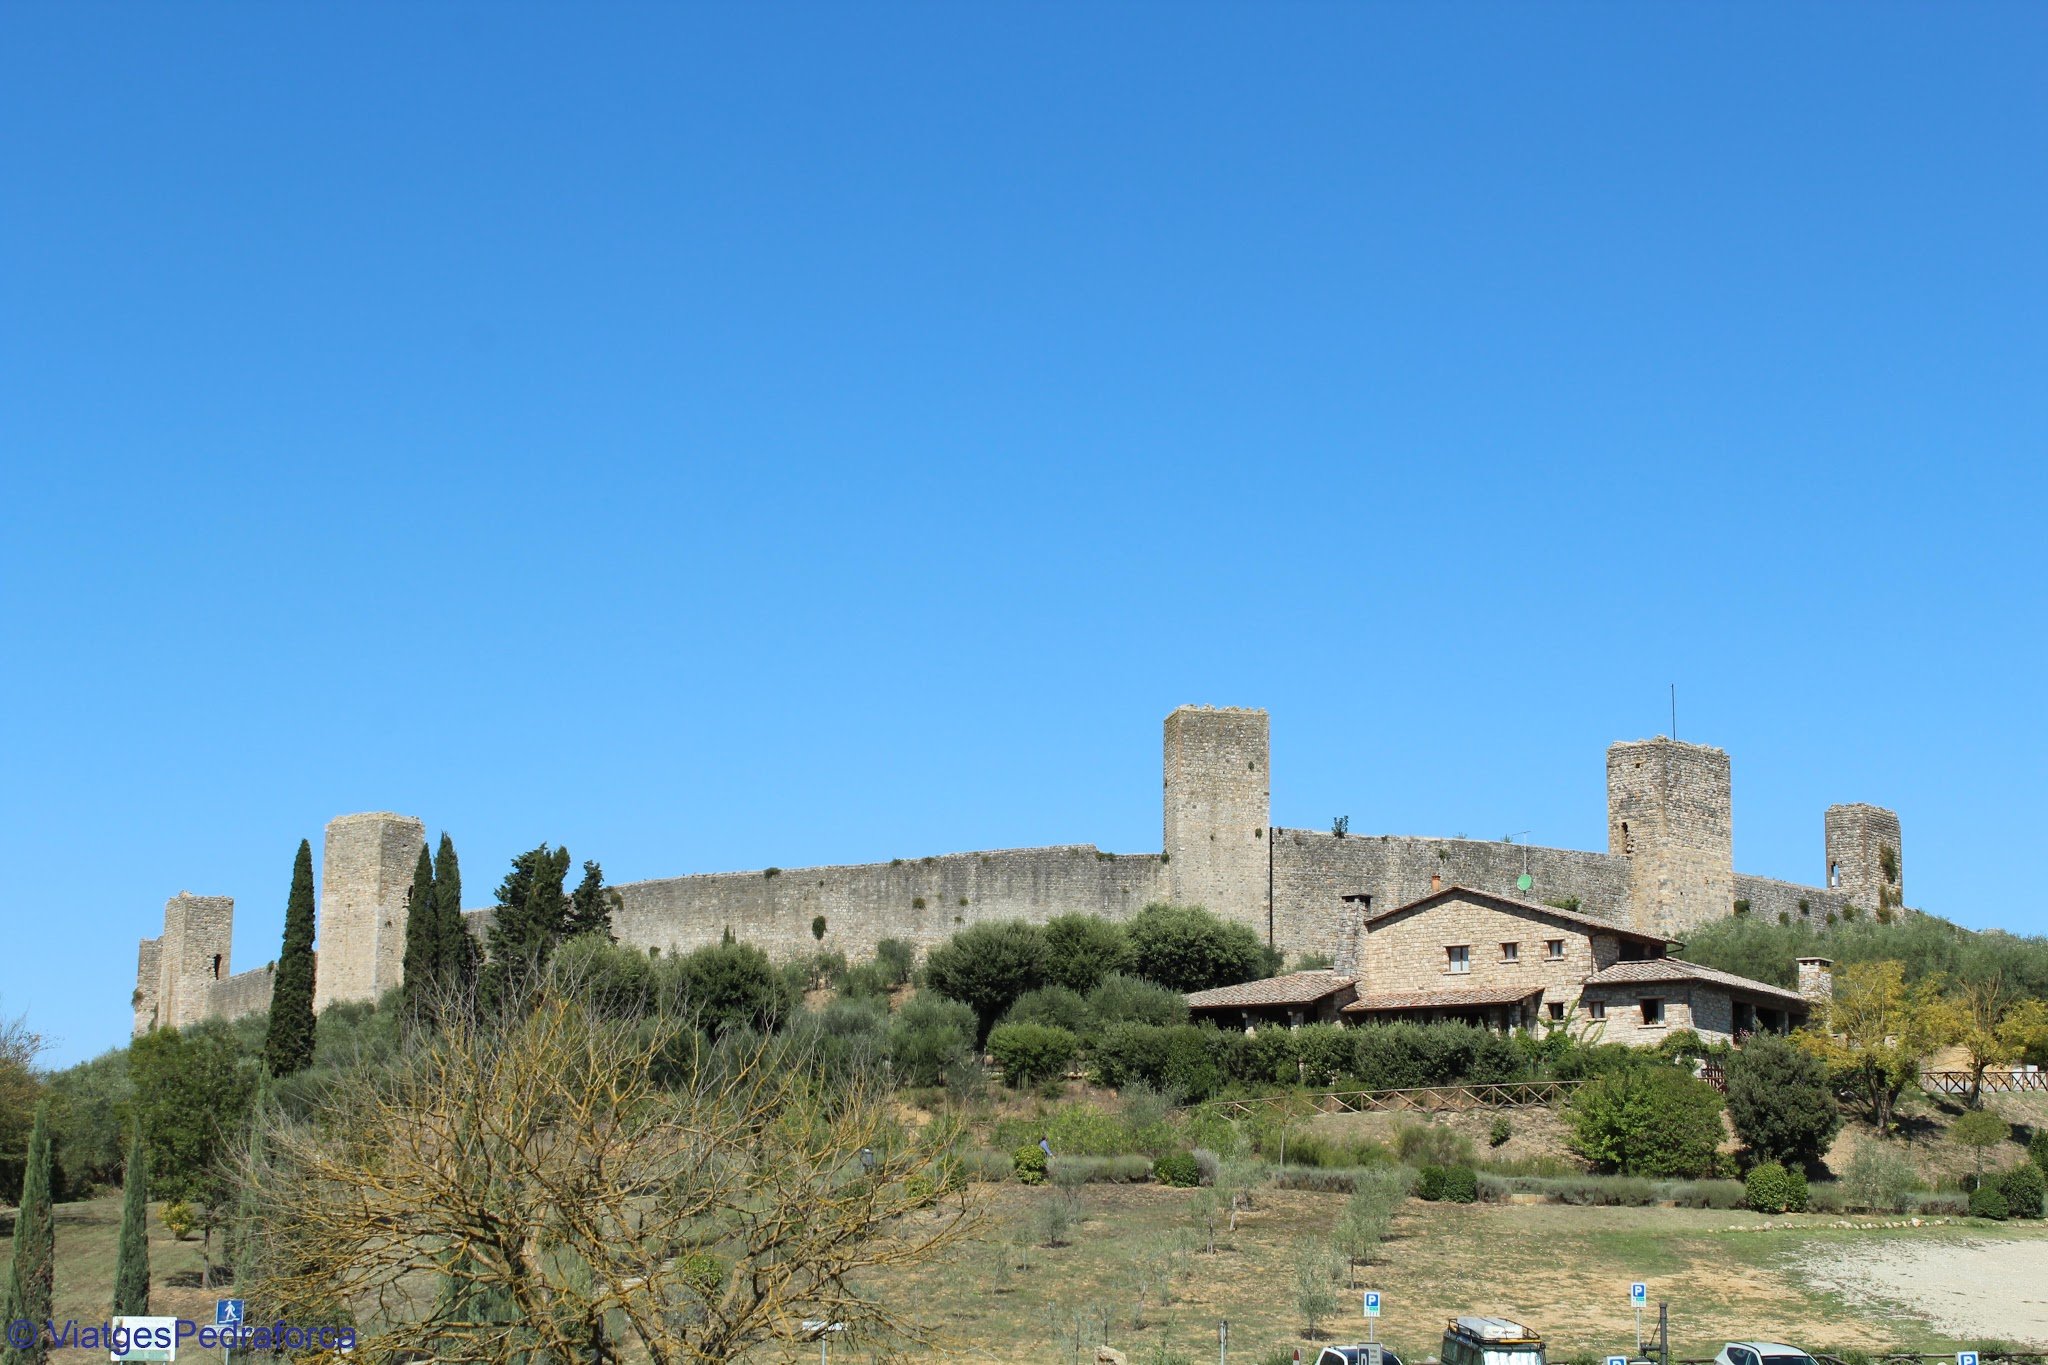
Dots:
{"x": 1493, "y": 1330}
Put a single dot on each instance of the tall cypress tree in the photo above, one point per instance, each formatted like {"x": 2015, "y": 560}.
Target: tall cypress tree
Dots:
{"x": 289, "y": 1047}
{"x": 131, "y": 1263}
{"x": 31, "y": 1274}
{"x": 458, "y": 949}
{"x": 422, "y": 970}
{"x": 529, "y": 918}
{"x": 590, "y": 907}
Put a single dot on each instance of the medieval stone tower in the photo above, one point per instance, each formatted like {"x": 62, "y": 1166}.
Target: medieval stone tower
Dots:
{"x": 1218, "y": 811}
{"x": 191, "y": 955}
{"x": 1670, "y": 812}
{"x": 1864, "y": 858}
{"x": 367, "y": 871}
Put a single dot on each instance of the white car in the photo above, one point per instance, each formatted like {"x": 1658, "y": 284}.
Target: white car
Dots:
{"x": 1762, "y": 1353}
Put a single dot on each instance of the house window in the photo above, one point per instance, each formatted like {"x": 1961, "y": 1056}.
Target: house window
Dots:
{"x": 1555, "y": 948}
{"x": 1510, "y": 952}
{"x": 1460, "y": 959}
{"x": 1557, "y": 1009}
{"x": 1653, "y": 1010}
{"x": 1745, "y": 1017}
{"x": 1596, "y": 1010}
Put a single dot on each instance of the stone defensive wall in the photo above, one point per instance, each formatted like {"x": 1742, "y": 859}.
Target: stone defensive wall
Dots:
{"x": 1768, "y": 898}
{"x": 1313, "y": 870}
{"x": 920, "y": 900}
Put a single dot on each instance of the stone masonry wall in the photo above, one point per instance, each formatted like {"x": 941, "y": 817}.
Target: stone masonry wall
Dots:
{"x": 1669, "y": 808}
{"x": 194, "y": 953}
{"x": 1313, "y": 870}
{"x": 365, "y": 874}
{"x": 244, "y": 993}
{"x": 1856, "y": 837}
{"x": 1217, "y": 806}
{"x": 921, "y": 900}
{"x": 1624, "y": 1022}
{"x": 148, "y": 980}
{"x": 1769, "y": 898}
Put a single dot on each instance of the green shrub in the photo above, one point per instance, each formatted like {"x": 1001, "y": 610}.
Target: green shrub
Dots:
{"x": 1501, "y": 1131}
{"x": 1178, "y": 1169}
{"x": 1432, "y": 1144}
{"x": 1080, "y": 950}
{"x": 1652, "y": 1120}
{"x": 1779, "y": 1101}
{"x": 895, "y": 958}
{"x": 1988, "y": 1202}
{"x": 1460, "y": 1185}
{"x": 1429, "y": 1183}
{"x": 1773, "y": 1189}
{"x": 1710, "y": 1194}
{"x": 1186, "y": 948}
{"x": 1029, "y": 1053}
{"x": 1120, "y": 999}
{"x": 179, "y": 1218}
{"x": 929, "y": 1037}
{"x": 2024, "y": 1188}
{"x": 987, "y": 966}
{"x": 1053, "y": 1005}
{"x": 1878, "y": 1179}
{"x": 2037, "y": 1148}
{"x": 1028, "y": 1165}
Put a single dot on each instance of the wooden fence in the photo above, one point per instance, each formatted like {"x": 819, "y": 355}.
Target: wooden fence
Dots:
{"x": 1428, "y": 1099}
{"x": 1995, "y": 1082}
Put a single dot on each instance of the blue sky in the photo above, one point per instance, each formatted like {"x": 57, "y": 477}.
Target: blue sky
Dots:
{"x": 720, "y": 437}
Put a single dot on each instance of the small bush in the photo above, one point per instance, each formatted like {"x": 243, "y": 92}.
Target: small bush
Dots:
{"x": 179, "y": 1218}
{"x": 1502, "y": 1130}
{"x": 1430, "y": 1144}
{"x": 1028, "y": 1164}
{"x": 1208, "y": 1163}
{"x": 1773, "y": 1189}
{"x": 1989, "y": 1202}
{"x": 979, "y": 1163}
{"x": 1177, "y": 1169}
{"x": 2024, "y": 1189}
{"x": 1878, "y": 1180}
{"x": 1460, "y": 1185}
{"x": 1714, "y": 1194}
{"x": 1029, "y": 1053}
{"x": 2037, "y": 1148}
{"x": 1101, "y": 1170}
{"x": 1321, "y": 1179}
{"x": 1942, "y": 1205}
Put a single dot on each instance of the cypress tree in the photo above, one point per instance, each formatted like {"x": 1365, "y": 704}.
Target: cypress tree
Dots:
{"x": 31, "y": 1274}
{"x": 422, "y": 968}
{"x": 131, "y": 1263}
{"x": 590, "y": 909}
{"x": 458, "y": 949}
{"x": 246, "y": 1243}
{"x": 289, "y": 1047}
{"x": 529, "y": 918}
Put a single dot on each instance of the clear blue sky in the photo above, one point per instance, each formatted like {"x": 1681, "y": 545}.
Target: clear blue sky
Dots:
{"x": 720, "y": 437}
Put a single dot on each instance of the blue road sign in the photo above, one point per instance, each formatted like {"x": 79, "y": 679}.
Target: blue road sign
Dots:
{"x": 1966, "y": 1358}
{"x": 227, "y": 1312}
{"x": 1372, "y": 1307}
{"x": 1617, "y": 1360}
{"x": 1639, "y": 1294}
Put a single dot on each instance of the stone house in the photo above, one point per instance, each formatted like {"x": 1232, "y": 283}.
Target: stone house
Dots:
{"x": 1315, "y": 997}
{"x": 1505, "y": 963}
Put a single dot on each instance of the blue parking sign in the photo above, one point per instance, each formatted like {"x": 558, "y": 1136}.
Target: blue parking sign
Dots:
{"x": 1617, "y": 1360}
{"x": 1372, "y": 1305}
{"x": 227, "y": 1312}
{"x": 1966, "y": 1358}
{"x": 1639, "y": 1294}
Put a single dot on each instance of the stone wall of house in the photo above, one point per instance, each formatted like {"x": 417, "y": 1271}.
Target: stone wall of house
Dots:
{"x": 1624, "y": 1022}
{"x": 1409, "y": 952}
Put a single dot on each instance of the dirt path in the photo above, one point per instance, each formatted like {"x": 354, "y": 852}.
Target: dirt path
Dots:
{"x": 1990, "y": 1288}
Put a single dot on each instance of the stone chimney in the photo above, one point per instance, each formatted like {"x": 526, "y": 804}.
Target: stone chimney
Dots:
{"x": 1816, "y": 980}
{"x": 1351, "y": 936}
{"x": 1436, "y": 882}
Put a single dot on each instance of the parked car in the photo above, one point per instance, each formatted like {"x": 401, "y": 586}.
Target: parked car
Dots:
{"x": 1761, "y": 1353}
{"x": 1353, "y": 1355}
{"x": 1490, "y": 1341}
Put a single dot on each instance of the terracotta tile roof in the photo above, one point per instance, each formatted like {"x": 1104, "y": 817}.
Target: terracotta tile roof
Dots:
{"x": 1678, "y": 969}
{"x": 1296, "y": 988}
{"x": 1446, "y": 999}
{"x": 1522, "y": 907}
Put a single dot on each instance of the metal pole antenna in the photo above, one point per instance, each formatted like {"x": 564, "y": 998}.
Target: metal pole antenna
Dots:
{"x": 1674, "y": 710}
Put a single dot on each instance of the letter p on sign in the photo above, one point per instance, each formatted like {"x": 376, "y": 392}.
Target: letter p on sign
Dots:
{"x": 1639, "y": 1294}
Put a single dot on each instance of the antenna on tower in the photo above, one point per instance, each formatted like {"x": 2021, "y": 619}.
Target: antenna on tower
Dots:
{"x": 1674, "y": 710}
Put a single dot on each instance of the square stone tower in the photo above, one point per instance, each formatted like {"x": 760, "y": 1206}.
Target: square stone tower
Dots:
{"x": 1218, "y": 810}
{"x": 192, "y": 955}
{"x": 1864, "y": 856}
{"x": 1670, "y": 810}
{"x": 148, "y": 980}
{"x": 367, "y": 870}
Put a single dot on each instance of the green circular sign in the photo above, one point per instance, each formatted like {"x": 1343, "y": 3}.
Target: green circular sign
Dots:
{"x": 1524, "y": 882}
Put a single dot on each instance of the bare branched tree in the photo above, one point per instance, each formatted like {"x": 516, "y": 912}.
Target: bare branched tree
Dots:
{"x": 581, "y": 1184}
